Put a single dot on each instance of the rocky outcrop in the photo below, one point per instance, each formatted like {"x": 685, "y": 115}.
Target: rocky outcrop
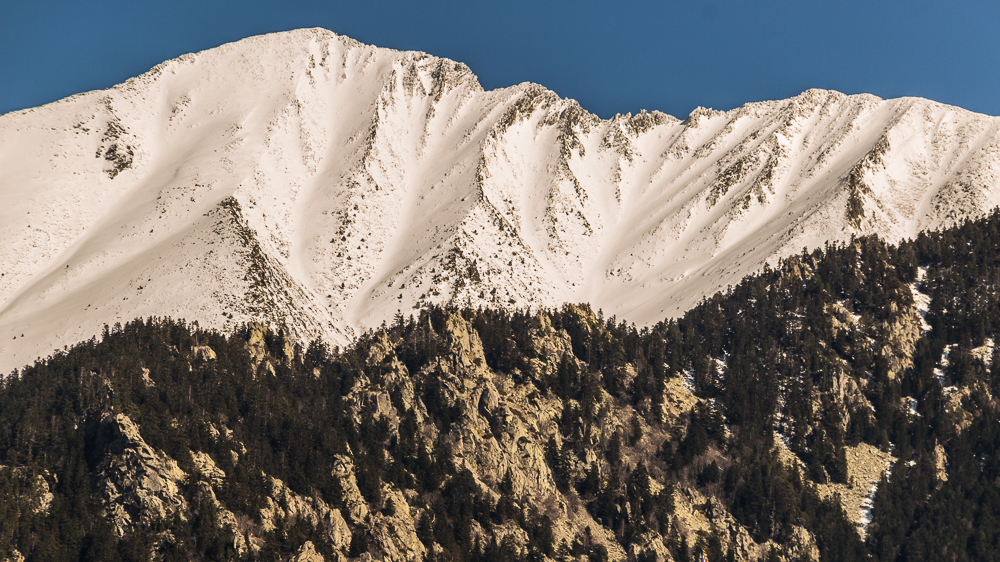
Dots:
{"x": 903, "y": 331}
{"x": 393, "y": 529}
{"x": 203, "y": 353}
{"x": 207, "y": 468}
{"x": 43, "y": 493}
{"x": 243, "y": 535}
{"x": 955, "y": 398}
{"x": 504, "y": 433}
{"x": 146, "y": 380}
{"x": 285, "y": 505}
{"x": 940, "y": 463}
{"x": 307, "y": 553}
{"x": 255, "y": 344}
{"x": 650, "y": 544}
{"x": 697, "y": 514}
{"x": 355, "y": 504}
{"x": 139, "y": 485}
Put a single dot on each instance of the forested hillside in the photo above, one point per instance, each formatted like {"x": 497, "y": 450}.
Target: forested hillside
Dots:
{"x": 838, "y": 407}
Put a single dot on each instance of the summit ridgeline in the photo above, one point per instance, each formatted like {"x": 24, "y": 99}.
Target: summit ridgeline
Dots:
{"x": 307, "y": 181}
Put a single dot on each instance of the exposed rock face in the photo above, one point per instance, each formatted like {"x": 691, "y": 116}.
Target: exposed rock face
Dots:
{"x": 904, "y": 331}
{"x": 43, "y": 493}
{"x": 961, "y": 417}
{"x": 145, "y": 378}
{"x": 208, "y": 468}
{"x": 804, "y": 545}
{"x": 243, "y": 539}
{"x": 307, "y": 554}
{"x": 284, "y": 504}
{"x": 255, "y": 342}
{"x": 357, "y": 507}
{"x": 499, "y": 432}
{"x": 203, "y": 352}
{"x": 394, "y": 530}
{"x": 650, "y": 544}
{"x": 508, "y": 435}
{"x": 256, "y": 346}
{"x": 139, "y": 485}
{"x": 505, "y": 433}
{"x": 941, "y": 463}
{"x": 695, "y": 513}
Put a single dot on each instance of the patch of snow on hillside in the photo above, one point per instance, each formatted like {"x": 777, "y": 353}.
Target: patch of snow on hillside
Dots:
{"x": 688, "y": 378}
{"x": 922, "y": 301}
{"x": 868, "y": 503}
{"x": 721, "y": 364}
{"x": 941, "y": 368}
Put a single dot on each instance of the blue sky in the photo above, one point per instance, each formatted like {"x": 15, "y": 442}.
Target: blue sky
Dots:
{"x": 611, "y": 56}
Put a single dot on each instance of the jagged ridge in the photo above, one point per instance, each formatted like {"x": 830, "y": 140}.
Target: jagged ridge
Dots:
{"x": 372, "y": 182}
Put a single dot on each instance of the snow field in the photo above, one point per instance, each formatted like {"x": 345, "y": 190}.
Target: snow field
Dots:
{"x": 323, "y": 185}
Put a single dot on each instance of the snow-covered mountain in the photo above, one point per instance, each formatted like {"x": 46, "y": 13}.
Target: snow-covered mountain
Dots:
{"x": 324, "y": 185}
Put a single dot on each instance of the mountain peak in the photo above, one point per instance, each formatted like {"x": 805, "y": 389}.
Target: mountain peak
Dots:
{"x": 324, "y": 186}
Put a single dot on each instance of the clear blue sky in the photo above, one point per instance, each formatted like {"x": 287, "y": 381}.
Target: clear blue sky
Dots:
{"x": 611, "y": 56}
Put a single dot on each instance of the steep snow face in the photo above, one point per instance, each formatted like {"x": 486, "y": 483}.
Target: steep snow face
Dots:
{"x": 325, "y": 186}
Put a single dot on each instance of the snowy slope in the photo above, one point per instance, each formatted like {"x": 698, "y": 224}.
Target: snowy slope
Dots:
{"x": 324, "y": 185}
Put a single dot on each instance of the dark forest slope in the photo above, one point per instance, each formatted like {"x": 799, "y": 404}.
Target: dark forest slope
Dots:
{"x": 753, "y": 428}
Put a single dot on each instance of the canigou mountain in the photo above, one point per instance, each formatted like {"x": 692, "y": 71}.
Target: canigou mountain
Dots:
{"x": 325, "y": 186}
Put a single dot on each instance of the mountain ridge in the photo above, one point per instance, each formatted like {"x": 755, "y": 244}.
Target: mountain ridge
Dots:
{"x": 324, "y": 186}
